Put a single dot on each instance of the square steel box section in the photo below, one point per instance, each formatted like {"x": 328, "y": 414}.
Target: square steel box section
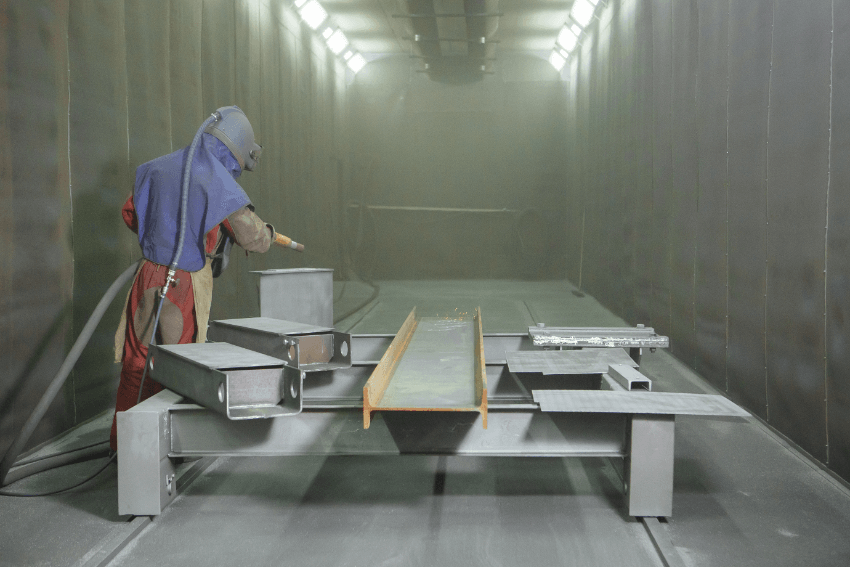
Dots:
{"x": 231, "y": 380}
{"x": 303, "y": 295}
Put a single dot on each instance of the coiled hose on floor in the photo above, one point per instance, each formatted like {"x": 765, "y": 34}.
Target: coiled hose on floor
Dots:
{"x": 62, "y": 375}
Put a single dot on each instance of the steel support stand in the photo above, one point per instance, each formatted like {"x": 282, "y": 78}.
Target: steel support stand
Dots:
{"x": 146, "y": 476}
{"x": 649, "y": 465}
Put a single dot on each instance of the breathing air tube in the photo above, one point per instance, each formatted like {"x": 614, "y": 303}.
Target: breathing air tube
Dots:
{"x": 69, "y": 362}
{"x": 184, "y": 202}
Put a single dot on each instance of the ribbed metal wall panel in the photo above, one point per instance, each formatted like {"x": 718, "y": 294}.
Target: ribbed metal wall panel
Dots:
{"x": 124, "y": 82}
{"x": 797, "y": 177}
{"x": 661, "y": 37}
{"x": 750, "y": 29}
{"x": 683, "y": 197}
{"x": 36, "y": 263}
{"x": 100, "y": 174}
{"x": 838, "y": 252}
{"x": 712, "y": 89}
{"x": 748, "y": 99}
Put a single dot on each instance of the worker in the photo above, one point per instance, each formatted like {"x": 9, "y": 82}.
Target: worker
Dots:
{"x": 218, "y": 213}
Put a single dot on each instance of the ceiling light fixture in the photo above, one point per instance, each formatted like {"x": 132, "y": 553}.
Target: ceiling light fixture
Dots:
{"x": 567, "y": 39}
{"x": 337, "y": 42}
{"x": 356, "y": 62}
{"x": 313, "y": 14}
{"x": 582, "y": 12}
{"x": 557, "y": 61}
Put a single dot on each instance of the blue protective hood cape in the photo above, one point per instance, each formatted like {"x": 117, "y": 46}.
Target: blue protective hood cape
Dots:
{"x": 213, "y": 195}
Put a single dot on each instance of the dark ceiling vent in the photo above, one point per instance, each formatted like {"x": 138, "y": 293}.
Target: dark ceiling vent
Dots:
{"x": 454, "y": 39}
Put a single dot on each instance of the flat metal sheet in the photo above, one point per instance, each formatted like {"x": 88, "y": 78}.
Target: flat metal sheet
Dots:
{"x": 623, "y": 337}
{"x": 838, "y": 267}
{"x": 711, "y": 225}
{"x": 797, "y": 179}
{"x": 274, "y": 326}
{"x": 588, "y": 361}
{"x": 222, "y": 356}
{"x": 437, "y": 368}
{"x": 750, "y": 24}
{"x": 665, "y": 403}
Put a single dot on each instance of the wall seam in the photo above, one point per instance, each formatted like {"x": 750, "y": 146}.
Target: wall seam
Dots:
{"x": 672, "y": 161}
{"x": 826, "y": 237}
{"x": 126, "y": 84}
{"x": 70, "y": 198}
{"x": 695, "y": 9}
{"x": 648, "y": 8}
{"x": 767, "y": 212}
{"x": 728, "y": 89}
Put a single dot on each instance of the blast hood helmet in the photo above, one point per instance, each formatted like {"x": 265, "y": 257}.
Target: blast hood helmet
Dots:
{"x": 235, "y": 131}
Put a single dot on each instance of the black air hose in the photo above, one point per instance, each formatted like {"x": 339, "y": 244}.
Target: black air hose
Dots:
{"x": 184, "y": 203}
{"x": 64, "y": 370}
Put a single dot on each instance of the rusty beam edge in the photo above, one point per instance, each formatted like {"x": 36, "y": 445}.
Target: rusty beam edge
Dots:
{"x": 480, "y": 366}
{"x": 378, "y": 382}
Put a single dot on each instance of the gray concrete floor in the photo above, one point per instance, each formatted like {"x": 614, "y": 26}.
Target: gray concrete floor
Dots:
{"x": 742, "y": 495}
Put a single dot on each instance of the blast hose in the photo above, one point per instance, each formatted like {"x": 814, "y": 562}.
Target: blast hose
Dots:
{"x": 64, "y": 370}
{"x": 184, "y": 204}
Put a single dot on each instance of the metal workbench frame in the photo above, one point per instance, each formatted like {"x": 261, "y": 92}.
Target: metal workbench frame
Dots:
{"x": 163, "y": 427}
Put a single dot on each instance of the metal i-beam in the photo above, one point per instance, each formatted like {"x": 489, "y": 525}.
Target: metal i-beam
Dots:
{"x": 433, "y": 364}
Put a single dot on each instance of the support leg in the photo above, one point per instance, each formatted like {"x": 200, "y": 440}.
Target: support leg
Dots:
{"x": 146, "y": 481}
{"x": 649, "y": 465}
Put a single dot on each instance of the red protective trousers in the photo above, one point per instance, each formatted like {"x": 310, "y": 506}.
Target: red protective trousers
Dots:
{"x": 151, "y": 276}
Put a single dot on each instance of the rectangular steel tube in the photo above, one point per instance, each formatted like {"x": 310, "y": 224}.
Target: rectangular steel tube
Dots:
{"x": 195, "y": 431}
{"x": 629, "y": 378}
{"x": 308, "y": 347}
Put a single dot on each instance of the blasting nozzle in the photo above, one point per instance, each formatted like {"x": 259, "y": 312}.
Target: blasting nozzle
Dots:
{"x": 286, "y": 242}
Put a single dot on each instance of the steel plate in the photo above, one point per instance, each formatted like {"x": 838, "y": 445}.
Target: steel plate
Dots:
{"x": 588, "y": 361}
{"x": 585, "y": 401}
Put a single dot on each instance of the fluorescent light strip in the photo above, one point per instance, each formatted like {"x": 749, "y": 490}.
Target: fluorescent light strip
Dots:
{"x": 314, "y": 16}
